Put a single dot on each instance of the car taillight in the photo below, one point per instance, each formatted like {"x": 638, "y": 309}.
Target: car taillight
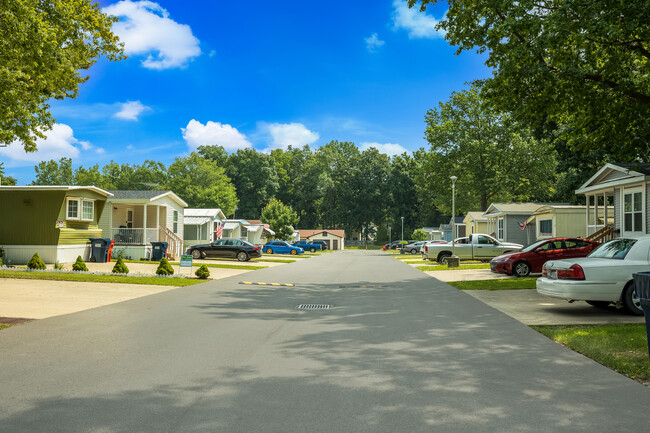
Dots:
{"x": 426, "y": 249}
{"x": 575, "y": 272}
{"x": 256, "y": 248}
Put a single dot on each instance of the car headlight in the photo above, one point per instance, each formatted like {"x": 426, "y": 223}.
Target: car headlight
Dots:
{"x": 499, "y": 260}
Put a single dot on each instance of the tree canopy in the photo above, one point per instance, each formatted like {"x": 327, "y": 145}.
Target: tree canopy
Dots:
{"x": 584, "y": 65}
{"x": 280, "y": 218}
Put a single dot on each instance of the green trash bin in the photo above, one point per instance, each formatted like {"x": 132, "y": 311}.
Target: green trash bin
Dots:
{"x": 642, "y": 290}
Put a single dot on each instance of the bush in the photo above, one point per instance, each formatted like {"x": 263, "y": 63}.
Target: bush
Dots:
{"x": 79, "y": 265}
{"x": 164, "y": 268}
{"x": 0, "y": 262}
{"x": 58, "y": 266}
{"x": 203, "y": 272}
{"x": 36, "y": 263}
{"x": 120, "y": 267}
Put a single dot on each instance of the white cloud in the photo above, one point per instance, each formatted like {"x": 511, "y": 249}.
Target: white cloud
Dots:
{"x": 146, "y": 29}
{"x": 284, "y": 135}
{"x": 389, "y": 149}
{"x": 373, "y": 43}
{"x": 130, "y": 110}
{"x": 60, "y": 142}
{"x": 418, "y": 24}
{"x": 214, "y": 133}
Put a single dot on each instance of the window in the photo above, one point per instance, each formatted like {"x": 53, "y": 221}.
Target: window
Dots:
{"x": 616, "y": 249}
{"x": 633, "y": 212}
{"x": 500, "y": 228}
{"x": 484, "y": 240}
{"x": 73, "y": 209}
{"x": 175, "y": 228}
{"x": 576, "y": 243}
{"x": 546, "y": 227}
{"x": 87, "y": 210}
{"x": 80, "y": 209}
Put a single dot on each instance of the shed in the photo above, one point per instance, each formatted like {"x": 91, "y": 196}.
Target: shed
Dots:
{"x": 558, "y": 220}
{"x": 335, "y": 239}
{"x": 507, "y": 221}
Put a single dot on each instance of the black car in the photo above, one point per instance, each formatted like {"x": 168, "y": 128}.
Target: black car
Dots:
{"x": 323, "y": 244}
{"x": 226, "y": 248}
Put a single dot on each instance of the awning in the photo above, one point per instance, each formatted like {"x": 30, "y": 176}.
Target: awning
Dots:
{"x": 231, "y": 226}
{"x": 195, "y": 221}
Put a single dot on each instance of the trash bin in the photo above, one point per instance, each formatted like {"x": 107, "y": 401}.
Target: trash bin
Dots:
{"x": 159, "y": 249}
{"x": 99, "y": 249}
{"x": 642, "y": 289}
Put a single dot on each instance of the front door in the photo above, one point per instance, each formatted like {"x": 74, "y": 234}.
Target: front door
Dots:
{"x": 129, "y": 218}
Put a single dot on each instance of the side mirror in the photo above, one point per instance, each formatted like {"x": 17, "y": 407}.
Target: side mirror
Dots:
{"x": 538, "y": 250}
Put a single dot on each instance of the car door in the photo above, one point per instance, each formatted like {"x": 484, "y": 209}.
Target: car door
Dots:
{"x": 551, "y": 250}
{"x": 576, "y": 248}
{"x": 213, "y": 249}
{"x": 485, "y": 248}
{"x": 236, "y": 247}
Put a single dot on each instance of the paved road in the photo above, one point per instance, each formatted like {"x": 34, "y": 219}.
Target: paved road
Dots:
{"x": 398, "y": 352}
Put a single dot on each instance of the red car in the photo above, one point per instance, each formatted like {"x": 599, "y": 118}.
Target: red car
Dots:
{"x": 532, "y": 258}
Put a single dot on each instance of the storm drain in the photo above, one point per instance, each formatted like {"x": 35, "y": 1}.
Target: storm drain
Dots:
{"x": 313, "y": 307}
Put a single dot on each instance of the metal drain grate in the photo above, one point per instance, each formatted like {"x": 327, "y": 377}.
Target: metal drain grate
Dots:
{"x": 313, "y": 307}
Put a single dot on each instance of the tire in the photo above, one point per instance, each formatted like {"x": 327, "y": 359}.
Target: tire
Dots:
{"x": 521, "y": 269}
{"x": 294, "y": 252}
{"x": 414, "y": 251}
{"x": 312, "y": 250}
{"x": 442, "y": 258}
{"x": 269, "y": 251}
{"x": 242, "y": 256}
{"x": 196, "y": 254}
{"x": 598, "y": 304}
{"x": 630, "y": 301}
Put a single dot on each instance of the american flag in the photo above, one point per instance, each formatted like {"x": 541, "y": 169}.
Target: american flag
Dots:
{"x": 522, "y": 225}
{"x": 218, "y": 231}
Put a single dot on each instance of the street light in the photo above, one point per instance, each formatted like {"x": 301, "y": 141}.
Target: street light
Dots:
{"x": 401, "y": 249}
{"x": 453, "y": 215}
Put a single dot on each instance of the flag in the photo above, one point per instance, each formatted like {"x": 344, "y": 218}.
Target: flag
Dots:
{"x": 522, "y": 225}
{"x": 218, "y": 231}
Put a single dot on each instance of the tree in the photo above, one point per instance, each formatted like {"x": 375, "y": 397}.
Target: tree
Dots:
{"x": 255, "y": 179}
{"x": 5, "y": 180}
{"x": 581, "y": 64}
{"x": 54, "y": 173}
{"x": 419, "y": 235}
{"x": 91, "y": 176}
{"x": 45, "y": 47}
{"x": 201, "y": 183}
{"x": 494, "y": 158}
{"x": 280, "y": 217}
{"x": 403, "y": 199}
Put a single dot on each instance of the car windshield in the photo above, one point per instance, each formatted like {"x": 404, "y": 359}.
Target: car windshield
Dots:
{"x": 616, "y": 249}
{"x": 533, "y": 246}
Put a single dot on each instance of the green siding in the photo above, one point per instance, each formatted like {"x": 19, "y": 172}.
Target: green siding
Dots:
{"x": 30, "y": 217}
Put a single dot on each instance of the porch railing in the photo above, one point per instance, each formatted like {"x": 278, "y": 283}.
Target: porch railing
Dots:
{"x": 603, "y": 235}
{"x": 138, "y": 236}
{"x": 174, "y": 242}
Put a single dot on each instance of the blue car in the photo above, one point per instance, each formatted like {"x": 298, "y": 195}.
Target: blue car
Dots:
{"x": 281, "y": 247}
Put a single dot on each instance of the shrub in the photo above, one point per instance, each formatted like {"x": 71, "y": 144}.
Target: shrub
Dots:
{"x": 120, "y": 267}
{"x": 0, "y": 262}
{"x": 58, "y": 266}
{"x": 79, "y": 265}
{"x": 203, "y": 272}
{"x": 35, "y": 262}
{"x": 164, "y": 268}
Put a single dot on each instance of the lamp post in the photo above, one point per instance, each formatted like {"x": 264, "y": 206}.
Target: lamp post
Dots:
{"x": 401, "y": 249}
{"x": 453, "y": 215}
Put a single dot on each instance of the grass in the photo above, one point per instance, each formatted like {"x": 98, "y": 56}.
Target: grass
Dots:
{"x": 3, "y": 326}
{"x": 502, "y": 284}
{"x": 363, "y": 247}
{"x": 462, "y": 266}
{"x": 91, "y": 278}
{"x": 209, "y": 265}
{"x": 621, "y": 347}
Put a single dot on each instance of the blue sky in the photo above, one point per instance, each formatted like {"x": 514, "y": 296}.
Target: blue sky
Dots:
{"x": 255, "y": 74}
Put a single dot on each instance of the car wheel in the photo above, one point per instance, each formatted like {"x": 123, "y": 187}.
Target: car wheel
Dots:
{"x": 598, "y": 304}
{"x": 442, "y": 258}
{"x": 294, "y": 252}
{"x": 631, "y": 301}
{"x": 269, "y": 251}
{"x": 242, "y": 256}
{"x": 521, "y": 269}
{"x": 414, "y": 251}
{"x": 196, "y": 254}
{"x": 312, "y": 250}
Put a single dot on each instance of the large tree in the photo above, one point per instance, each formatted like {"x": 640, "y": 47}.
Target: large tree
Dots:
{"x": 54, "y": 173}
{"x": 280, "y": 218}
{"x": 45, "y": 46}
{"x": 494, "y": 157}
{"x": 585, "y": 65}
{"x": 5, "y": 180}
{"x": 255, "y": 179}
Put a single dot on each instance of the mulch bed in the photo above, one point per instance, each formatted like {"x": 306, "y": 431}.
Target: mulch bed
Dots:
{"x": 13, "y": 320}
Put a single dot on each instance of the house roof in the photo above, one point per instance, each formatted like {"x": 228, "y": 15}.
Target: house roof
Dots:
{"x": 458, "y": 220}
{"x": 254, "y": 227}
{"x": 511, "y": 209}
{"x": 195, "y": 220}
{"x": 143, "y": 196}
{"x": 611, "y": 175}
{"x": 56, "y": 188}
{"x": 557, "y": 207}
{"x": 232, "y": 225}
{"x": 308, "y": 233}
{"x": 210, "y": 213}
{"x": 255, "y": 222}
{"x": 269, "y": 231}
{"x": 475, "y": 216}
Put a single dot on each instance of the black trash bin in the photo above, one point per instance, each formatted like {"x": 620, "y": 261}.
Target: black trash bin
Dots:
{"x": 159, "y": 249}
{"x": 642, "y": 289}
{"x": 99, "y": 249}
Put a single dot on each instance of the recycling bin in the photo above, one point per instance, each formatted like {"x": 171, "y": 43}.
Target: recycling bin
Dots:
{"x": 642, "y": 289}
{"x": 159, "y": 250}
{"x": 99, "y": 249}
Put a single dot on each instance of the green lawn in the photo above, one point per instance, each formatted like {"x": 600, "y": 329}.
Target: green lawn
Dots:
{"x": 622, "y": 347}
{"x": 502, "y": 284}
{"x": 125, "y": 279}
{"x": 209, "y": 265}
{"x": 462, "y": 266}
{"x": 3, "y": 326}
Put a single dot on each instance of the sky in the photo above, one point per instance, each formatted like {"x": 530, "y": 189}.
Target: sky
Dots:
{"x": 255, "y": 74}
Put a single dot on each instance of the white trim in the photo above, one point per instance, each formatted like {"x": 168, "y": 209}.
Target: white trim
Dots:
{"x": 632, "y": 191}
{"x": 538, "y": 223}
{"x": 21, "y": 254}
{"x": 635, "y": 176}
{"x": 57, "y": 188}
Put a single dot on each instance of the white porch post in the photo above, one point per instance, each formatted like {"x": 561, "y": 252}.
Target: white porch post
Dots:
{"x": 157, "y": 222}
{"x": 587, "y": 214}
{"x": 144, "y": 224}
{"x": 605, "y": 204}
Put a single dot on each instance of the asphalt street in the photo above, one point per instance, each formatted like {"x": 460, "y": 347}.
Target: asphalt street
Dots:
{"x": 397, "y": 351}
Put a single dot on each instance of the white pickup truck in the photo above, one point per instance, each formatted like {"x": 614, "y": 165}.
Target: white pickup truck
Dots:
{"x": 474, "y": 247}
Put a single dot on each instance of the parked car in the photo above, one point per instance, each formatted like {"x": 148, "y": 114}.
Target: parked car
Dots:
{"x": 226, "y": 248}
{"x": 414, "y": 247}
{"x": 322, "y": 244}
{"x": 311, "y": 246}
{"x": 393, "y": 245}
{"x": 602, "y": 278}
{"x": 532, "y": 258}
{"x": 474, "y": 247}
{"x": 281, "y": 247}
